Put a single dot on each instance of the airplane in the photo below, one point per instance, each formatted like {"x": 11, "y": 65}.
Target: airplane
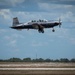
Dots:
{"x": 38, "y": 25}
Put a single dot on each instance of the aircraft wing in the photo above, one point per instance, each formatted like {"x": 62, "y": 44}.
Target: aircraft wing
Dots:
{"x": 48, "y": 25}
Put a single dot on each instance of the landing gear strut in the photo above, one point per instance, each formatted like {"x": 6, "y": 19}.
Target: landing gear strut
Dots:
{"x": 53, "y": 30}
{"x": 40, "y": 29}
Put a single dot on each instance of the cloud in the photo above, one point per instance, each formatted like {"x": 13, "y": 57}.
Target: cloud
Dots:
{"x": 16, "y": 36}
{"x": 14, "y": 2}
{"x": 62, "y": 34}
{"x": 49, "y": 7}
{"x": 29, "y": 5}
{"x": 36, "y": 5}
{"x": 38, "y": 44}
{"x": 12, "y": 38}
{"x": 68, "y": 16}
{"x": 72, "y": 40}
{"x": 4, "y": 4}
{"x": 6, "y": 13}
{"x": 19, "y": 5}
{"x": 11, "y": 41}
{"x": 2, "y": 31}
{"x": 67, "y": 2}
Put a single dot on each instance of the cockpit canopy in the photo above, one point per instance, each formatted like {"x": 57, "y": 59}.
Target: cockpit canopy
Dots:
{"x": 39, "y": 20}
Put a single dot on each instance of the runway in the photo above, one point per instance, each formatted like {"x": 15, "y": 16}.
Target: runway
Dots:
{"x": 37, "y": 68}
{"x": 51, "y": 69}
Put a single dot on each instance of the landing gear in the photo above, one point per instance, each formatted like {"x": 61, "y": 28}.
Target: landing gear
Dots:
{"x": 41, "y": 31}
{"x": 53, "y": 30}
{"x": 27, "y": 29}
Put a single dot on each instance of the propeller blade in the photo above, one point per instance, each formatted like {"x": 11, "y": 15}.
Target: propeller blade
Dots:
{"x": 60, "y": 22}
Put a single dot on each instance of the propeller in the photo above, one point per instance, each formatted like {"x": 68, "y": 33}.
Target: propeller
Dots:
{"x": 60, "y": 23}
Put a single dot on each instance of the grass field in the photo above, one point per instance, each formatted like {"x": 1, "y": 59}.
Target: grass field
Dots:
{"x": 36, "y": 65}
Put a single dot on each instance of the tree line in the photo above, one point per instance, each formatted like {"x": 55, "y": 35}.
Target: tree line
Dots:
{"x": 37, "y": 60}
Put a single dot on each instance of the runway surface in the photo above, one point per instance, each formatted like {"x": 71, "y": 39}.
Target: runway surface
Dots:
{"x": 39, "y": 69}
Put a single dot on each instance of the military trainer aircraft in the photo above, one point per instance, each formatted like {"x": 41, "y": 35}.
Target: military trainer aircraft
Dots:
{"x": 38, "y": 25}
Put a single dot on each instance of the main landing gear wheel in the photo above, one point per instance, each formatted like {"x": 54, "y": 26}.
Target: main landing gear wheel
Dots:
{"x": 43, "y": 31}
{"x": 53, "y": 30}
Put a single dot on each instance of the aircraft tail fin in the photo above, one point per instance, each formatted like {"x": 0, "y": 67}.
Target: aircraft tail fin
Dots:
{"x": 15, "y": 21}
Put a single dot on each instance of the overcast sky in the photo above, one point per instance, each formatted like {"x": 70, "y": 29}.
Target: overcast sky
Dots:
{"x": 22, "y": 44}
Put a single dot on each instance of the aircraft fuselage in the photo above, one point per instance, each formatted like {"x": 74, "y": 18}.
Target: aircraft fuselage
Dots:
{"x": 39, "y": 25}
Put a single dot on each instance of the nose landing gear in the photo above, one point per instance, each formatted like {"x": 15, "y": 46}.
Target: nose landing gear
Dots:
{"x": 53, "y": 30}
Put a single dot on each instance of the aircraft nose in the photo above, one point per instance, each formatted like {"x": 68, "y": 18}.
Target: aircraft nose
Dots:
{"x": 56, "y": 23}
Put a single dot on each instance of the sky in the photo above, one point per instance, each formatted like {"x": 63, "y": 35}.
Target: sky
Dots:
{"x": 29, "y": 43}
